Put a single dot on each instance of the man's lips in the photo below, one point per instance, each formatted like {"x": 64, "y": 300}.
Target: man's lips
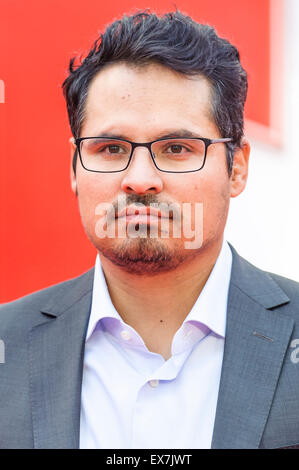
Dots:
{"x": 142, "y": 214}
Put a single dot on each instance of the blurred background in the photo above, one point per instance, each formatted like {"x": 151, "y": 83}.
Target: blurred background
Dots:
{"x": 42, "y": 241}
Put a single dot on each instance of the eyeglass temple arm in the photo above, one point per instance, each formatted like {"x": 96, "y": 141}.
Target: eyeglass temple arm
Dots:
{"x": 216, "y": 141}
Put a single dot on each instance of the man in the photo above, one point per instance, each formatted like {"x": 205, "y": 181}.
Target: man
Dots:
{"x": 172, "y": 340}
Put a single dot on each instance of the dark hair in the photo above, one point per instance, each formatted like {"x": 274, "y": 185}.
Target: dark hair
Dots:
{"x": 177, "y": 42}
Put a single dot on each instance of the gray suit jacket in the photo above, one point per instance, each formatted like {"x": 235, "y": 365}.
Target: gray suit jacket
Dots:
{"x": 258, "y": 405}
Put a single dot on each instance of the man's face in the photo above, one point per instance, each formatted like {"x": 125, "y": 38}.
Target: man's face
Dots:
{"x": 143, "y": 105}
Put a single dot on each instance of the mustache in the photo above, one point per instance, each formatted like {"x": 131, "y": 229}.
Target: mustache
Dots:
{"x": 146, "y": 200}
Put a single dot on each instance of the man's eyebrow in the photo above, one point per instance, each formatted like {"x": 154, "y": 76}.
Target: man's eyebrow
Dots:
{"x": 110, "y": 135}
{"x": 180, "y": 133}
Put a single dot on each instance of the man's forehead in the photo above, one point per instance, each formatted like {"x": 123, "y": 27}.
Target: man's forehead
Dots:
{"x": 151, "y": 93}
{"x": 154, "y": 78}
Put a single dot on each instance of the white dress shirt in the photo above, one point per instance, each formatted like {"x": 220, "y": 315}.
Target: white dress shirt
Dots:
{"x": 133, "y": 398}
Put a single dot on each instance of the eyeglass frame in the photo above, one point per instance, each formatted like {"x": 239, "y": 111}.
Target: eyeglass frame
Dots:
{"x": 148, "y": 145}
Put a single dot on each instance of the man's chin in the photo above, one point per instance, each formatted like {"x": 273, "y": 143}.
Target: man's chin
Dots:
{"x": 142, "y": 256}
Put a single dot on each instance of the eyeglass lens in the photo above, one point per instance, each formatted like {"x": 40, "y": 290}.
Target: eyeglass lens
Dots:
{"x": 105, "y": 155}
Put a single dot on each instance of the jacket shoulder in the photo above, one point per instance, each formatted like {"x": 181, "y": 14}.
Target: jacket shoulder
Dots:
{"x": 272, "y": 291}
{"x": 289, "y": 286}
{"x": 31, "y": 304}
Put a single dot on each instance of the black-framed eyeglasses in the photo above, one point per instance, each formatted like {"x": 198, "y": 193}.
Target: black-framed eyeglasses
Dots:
{"x": 173, "y": 155}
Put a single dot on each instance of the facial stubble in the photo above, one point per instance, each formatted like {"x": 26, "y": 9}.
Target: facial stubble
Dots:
{"x": 142, "y": 256}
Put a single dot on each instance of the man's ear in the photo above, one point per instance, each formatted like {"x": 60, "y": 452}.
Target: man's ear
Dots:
{"x": 73, "y": 176}
{"x": 240, "y": 168}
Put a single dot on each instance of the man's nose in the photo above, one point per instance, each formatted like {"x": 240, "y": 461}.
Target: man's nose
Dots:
{"x": 142, "y": 177}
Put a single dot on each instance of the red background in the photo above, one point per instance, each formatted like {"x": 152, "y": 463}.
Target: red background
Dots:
{"x": 42, "y": 241}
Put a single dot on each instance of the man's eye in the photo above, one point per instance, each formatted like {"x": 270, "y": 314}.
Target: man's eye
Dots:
{"x": 176, "y": 148}
{"x": 114, "y": 148}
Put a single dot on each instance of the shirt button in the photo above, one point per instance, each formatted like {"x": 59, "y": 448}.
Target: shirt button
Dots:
{"x": 154, "y": 383}
{"x": 125, "y": 334}
{"x": 188, "y": 333}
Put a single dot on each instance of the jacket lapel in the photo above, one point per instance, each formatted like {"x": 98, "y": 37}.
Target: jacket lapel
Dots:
{"x": 255, "y": 345}
{"x": 56, "y": 349}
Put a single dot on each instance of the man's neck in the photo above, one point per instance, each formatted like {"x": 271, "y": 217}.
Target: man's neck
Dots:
{"x": 156, "y": 306}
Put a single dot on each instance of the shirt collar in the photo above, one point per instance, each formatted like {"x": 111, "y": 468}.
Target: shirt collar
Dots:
{"x": 211, "y": 305}
{"x": 209, "y": 309}
{"x": 101, "y": 306}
